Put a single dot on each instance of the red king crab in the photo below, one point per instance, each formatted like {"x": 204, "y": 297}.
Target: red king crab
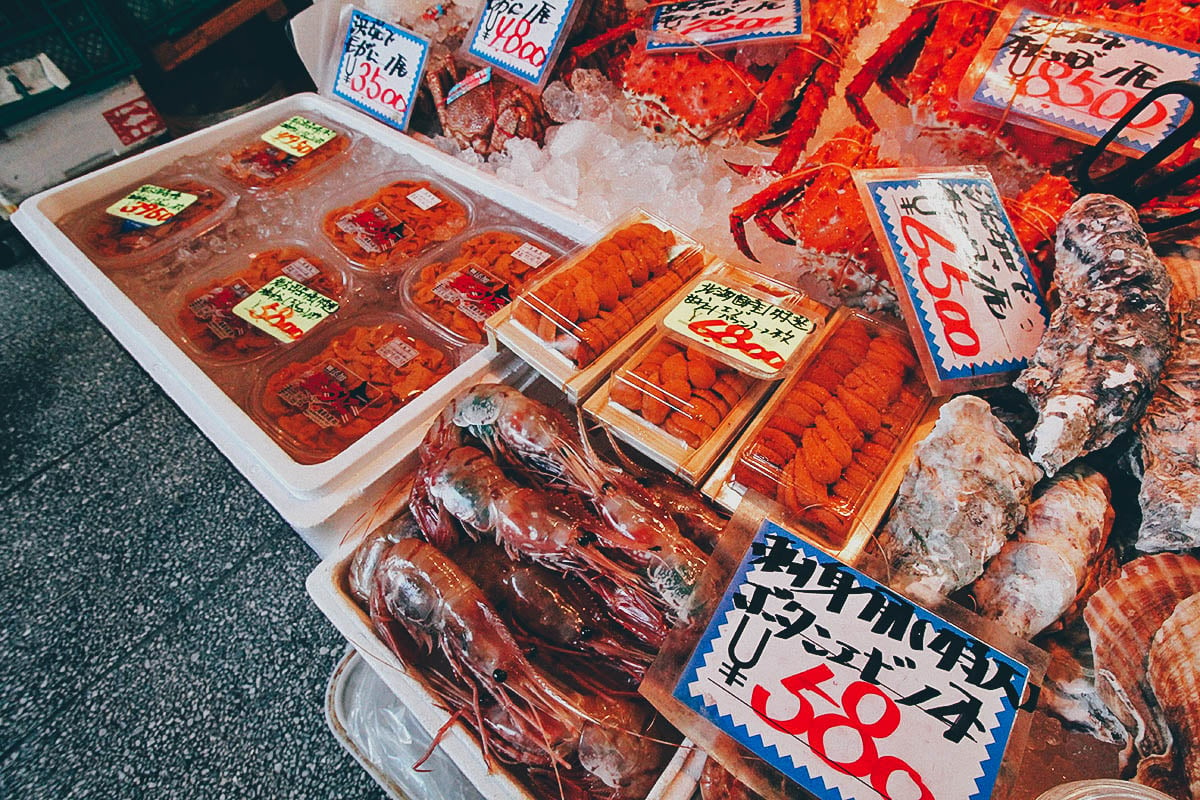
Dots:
{"x": 482, "y": 114}
{"x": 818, "y": 205}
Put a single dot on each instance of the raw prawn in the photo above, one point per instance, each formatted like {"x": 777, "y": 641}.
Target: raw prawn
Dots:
{"x": 524, "y": 432}
{"x": 420, "y": 590}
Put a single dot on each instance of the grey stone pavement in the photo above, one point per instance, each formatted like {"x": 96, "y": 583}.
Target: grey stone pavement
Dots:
{"x": 156, "y": 640}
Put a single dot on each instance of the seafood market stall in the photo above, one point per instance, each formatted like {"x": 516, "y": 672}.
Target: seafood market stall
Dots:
{"x": 766, "y": 400}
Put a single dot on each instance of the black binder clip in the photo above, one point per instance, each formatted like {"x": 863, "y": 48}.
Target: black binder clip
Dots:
{"x": 1137, "y": 181}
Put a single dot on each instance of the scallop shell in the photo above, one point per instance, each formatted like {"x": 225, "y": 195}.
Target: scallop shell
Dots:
{"x": 1174, "y": 673}
{"x": 1122, "y": 618}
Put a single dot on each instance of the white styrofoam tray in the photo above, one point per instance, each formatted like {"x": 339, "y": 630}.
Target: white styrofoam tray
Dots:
{"x": 327, "y": 586}
{"x": 321, "y": 501}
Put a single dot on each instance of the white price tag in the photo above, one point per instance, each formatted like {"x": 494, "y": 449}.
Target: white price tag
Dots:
{"x": 424, "y": 199}
{"x": 301, "y": 270}
{"x": 711, "y": 23}
{"x": 521, "y": 37}
{"x": 379, "y": 68}
{"x": 397, "y": 352}
{"x": 531, "y": 254}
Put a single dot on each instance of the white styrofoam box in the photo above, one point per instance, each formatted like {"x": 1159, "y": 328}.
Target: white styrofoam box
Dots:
{"x": 321, "y": 501}
{"x": 328, "y": 588}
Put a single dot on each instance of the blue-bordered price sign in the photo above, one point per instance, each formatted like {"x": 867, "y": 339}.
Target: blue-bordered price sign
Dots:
{"x": 973, "y": 307}
{"x": 722, "y": 23}
{"x": 847, "y": 688}
{"x": 380, "y": 68}
{"x": 521, "y": 37}
{"x": 1075, "y": 78}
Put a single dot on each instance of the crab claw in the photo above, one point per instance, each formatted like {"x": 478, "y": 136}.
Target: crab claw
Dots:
{"x": 737, "y": 228}
{"x": 742, "y": 169}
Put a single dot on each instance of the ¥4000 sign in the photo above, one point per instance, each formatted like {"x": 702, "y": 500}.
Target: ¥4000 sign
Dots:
{"x": 847, "y": 688}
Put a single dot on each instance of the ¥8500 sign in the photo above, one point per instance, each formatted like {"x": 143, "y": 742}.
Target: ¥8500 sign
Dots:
{"x": 847, "y": 688}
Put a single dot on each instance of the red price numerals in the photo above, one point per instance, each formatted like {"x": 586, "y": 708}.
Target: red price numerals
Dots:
{"x": 366, "y": 82}
{"x": 1062, "y": 85}
{"x": 151, "y": 211}
{"x": 295, "y": 141}
{"x": 510, "y": 39}
{"x": 279, "y": 317}
{"x": 727, "y": 25}
{"x": 882, "y": 770}
{"x": 955, "y": 319}
{"x": 736, "y": 337}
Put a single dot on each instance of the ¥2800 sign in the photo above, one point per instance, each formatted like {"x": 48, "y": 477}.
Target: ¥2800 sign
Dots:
{"x": 849, "y": 689}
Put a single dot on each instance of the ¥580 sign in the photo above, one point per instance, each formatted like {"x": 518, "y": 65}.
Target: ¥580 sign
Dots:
{"x": 847, "y": 688}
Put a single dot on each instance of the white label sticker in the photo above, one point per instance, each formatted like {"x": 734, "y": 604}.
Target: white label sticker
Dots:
{"x": 424, "y": 199}
{"x": 301, "y": 270}
{"x": 151, "y": 205}
{"x": 979, "y": 309}
{"x": 285, "y": 308}
{"x": 380, "y": 67}
{"x": 531, "y": 254}
{"x": 397, "y": 352}
{"x": 743, "y": 327}
{"x": 298, "y": 136}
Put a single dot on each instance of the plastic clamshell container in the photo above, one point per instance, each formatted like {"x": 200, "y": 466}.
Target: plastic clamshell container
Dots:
{"x": 405, "y": 217}
{"x": 256, "y": 164}
{"x": 754, "y": 323}
{"x": 115, "y": 243}
{"x": 202, "y": 306}
{"x": 321, "y": 501}
{"x": 469, "y": 279}
{"x": 328, "y": 586}
{"x": 676, "y": 405}
{"x": 318, "y": 399}
{"x": 836, "y": 436}
{"x": 574, "y": 323}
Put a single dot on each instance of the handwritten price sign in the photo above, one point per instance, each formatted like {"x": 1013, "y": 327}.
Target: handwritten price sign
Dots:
{"x": 1077, "y": 78}
{"x": 298, "y": 136}
{"x": 521, "y": 37}
{"x": 379, "y": 68}
{"x": 151, "y": 205}
{"x": 749, "y": 330}
{"x": 847, "y": 688}
{"x": 969, "y": 295}
{"x": 285, "y": 308}
{"x": 713, "y": 23}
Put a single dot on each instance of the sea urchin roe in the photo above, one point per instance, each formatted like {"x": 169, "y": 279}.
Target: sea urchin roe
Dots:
{"x": 463, "y": 292}
{"x": 296, "y": 148}
{"x": 583, "y": 309}
{"x": 114, "y": 234}
{"x": 404, "y": 218}
{"x": 681, "y": 390}
{"x": 835, "y": 429}
{"x": 206, "y": 314}
{"x": 323, "y": 404}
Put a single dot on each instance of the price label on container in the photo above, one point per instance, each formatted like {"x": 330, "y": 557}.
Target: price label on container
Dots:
{"x": 847, "y": 688}
{"x": 298, "y": 136}
{"x": 151, "y": 205}
{"x": 969, "y": 296}
{"x": 379, "y": 68}
{"x": 330, "y": 395}
{"x": 476, "y": 293}
{"x": 747, "y": 329}
{"x": 1077, "y": 78}
{"x": 285, "y": 308}
{"x": 716, "y": 23}
{"x": 521, "y": 37}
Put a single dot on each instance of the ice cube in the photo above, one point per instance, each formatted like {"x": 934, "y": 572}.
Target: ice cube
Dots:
{"x": 560, "y": 102}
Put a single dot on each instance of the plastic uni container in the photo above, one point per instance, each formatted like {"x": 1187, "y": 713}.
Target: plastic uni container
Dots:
{"x": 286, "y": 154}
{"x": 324, "y": 396}
{"x": 835, "y": 426}
{"x": 144, "y": 222}
{"x": 204, "y": 316}
{"x": 404, "y": 218}
{"x": 679, "y": 389}
{"x": 586, "y": 305}
{"x": 457, "y": 294}
{"x": 1103, "y": 789}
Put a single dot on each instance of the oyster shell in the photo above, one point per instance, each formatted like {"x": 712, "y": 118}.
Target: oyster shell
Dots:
{"x": 1122, "y": 618}
{"x": 1174, "y": 673}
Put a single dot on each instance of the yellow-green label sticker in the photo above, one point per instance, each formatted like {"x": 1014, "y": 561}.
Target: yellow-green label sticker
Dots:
{"x": 285, "y": 308}
{"x": 744, "y": 328}
{"x": 298, "y": 136}
{"x": 151, "y": 205}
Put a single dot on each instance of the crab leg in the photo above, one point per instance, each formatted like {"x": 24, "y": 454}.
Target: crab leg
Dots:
{"x": 762, "y": 206}
{"x": 915, "y": 27}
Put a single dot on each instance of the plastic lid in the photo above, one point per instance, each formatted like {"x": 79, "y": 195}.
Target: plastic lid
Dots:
{"x": 835, "y": 426}
{"x": 327, "y": 396}
{"x": 679, "y": 389}
{"x": 460, "y": 288}
{"x": 602, "y": 292}
{"x": 1103, "y": 789}
{"x": 204, "y": 309}
{"x": 285, "y": 154}
{"x": 404, "y": 218}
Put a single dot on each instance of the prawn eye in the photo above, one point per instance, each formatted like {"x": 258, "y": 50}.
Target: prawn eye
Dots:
{"x": 587, "y": 632}
{"x": 499, "y": 675}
